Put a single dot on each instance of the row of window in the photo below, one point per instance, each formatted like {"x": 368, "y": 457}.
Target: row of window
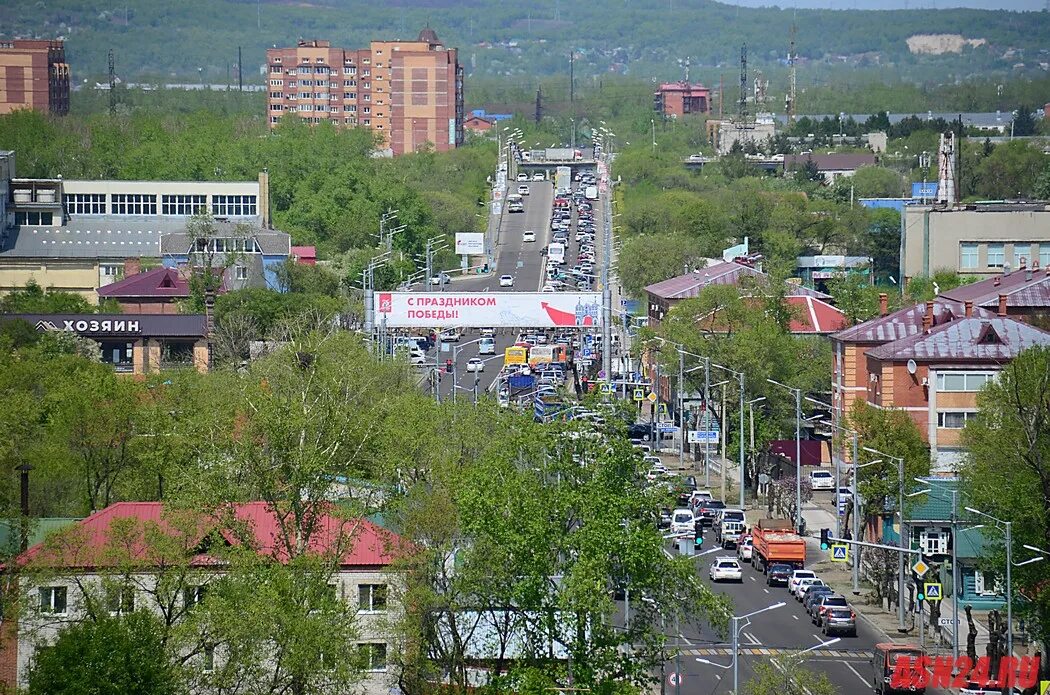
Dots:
{"x": 954, "y": 420}
{"x": 317, "y": 119}
{"x": 45, "y": 219}
{"x": 995, "y": 255}
{"x": 146, "y": 204}
{"x": 226, "y": 245}
{"x": 963, "y": 382}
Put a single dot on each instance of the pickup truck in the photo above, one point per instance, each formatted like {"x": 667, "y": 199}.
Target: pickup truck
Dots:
{"x": 728, "y": 533}
{"x": 773, "y": 542}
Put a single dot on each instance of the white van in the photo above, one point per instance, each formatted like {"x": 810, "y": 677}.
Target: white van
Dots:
{"x": 487, "y": 346}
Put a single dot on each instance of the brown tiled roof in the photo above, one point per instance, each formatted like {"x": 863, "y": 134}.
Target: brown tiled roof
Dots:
{"x": 836, "y": 161}
{"x": 725, "y": 273}
{"x": 1023, "y": 289}
{"x": 906, "y": 322}
{"x": 996, "y": 339}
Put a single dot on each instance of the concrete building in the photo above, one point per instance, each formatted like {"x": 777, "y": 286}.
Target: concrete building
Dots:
{"x": 677, "y": 99}
{"x": 408, "y": 92}
{"x": 831, "y": 166}
{"x": 725, "y": 134}
{"x": 78, "y": 236}
{"x": 113, "y": 557}
{"x": 976, "y": 240}
{"x": 34, "y": 75}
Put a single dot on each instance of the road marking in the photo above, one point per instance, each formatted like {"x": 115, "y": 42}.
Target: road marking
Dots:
{"x": 753, "y": 579}
{"x": 795, "y": 617}
{"x": 685, "y": 639}
{"x": 762, "y": 650}
{"x": 766, "y": 590}
{"x": 751, "y": 638}
{"x": 850, "y": 667}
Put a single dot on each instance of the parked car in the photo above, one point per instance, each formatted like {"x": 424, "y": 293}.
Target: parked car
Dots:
{"x": 804, "y": 584}
{"x": 825, "y": 604}
{"x": 725, "y": 569}
{"x": 778, "y": 575}
{"x": 821, "y": 480}
{"x": 708, "y": 510}
{"x": 840, "y": 621}
{"x": 797, "y": 576}
{"x": 813, "y": 594}
{"x": 682, "y": 521}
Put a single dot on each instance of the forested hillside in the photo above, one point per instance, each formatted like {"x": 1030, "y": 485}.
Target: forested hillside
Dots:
{"x": 198, "y": 39}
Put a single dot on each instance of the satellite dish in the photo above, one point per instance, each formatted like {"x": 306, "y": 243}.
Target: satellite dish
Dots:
{"x": 912, "y": 367}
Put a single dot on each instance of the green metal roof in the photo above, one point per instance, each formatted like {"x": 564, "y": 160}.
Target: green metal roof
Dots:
{"x": 936, "y": 505}
{"x": 39, "y": 529}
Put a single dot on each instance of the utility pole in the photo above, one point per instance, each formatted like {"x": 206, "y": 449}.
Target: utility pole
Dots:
{"x": 743, "y": 85}
{"x": 240, "y": 73}
{"x": 572, "y": 81}
{"x": 539, "y": 104}
{"x": 112, "y": 85}
{"x": 791, "y": 85}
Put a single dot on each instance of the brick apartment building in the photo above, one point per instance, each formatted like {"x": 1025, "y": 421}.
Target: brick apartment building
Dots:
{"x": 676, "y": 99}
{"x": 34, "y": 75}
{"x": 408, "y": 92}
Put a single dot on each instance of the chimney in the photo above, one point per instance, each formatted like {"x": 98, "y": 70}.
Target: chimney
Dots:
{"x": 997, "y": 281}
{"x": 1002, "y": 305}
{"x": 1023, "y": 263}
{"x": 132, "y": 266}
{"x": 968, "y": 304}
{"x": 884, "y": 304}
{"x": 1028, "y": 274}
{"x": 927, "y": 319}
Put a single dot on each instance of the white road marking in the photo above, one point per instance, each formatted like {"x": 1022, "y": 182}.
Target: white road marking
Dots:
{"x": 850, "y": 667}
{"x": 766, "y": 590}
{"x": 817, "y": 637}
{"x": 753, "y": 579}
{"x": 685, "y": 639}
{"x": 751, "y": 638}
{"x": 794, "y": 617}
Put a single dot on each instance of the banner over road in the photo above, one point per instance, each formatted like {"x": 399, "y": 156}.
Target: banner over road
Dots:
{"x": 489, "y": 309}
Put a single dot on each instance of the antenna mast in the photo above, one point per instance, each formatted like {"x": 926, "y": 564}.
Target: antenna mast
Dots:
{"x": 790, "y": 105}
{"x": 112, "y": 85}
{"x": 687, "y": 68}
{"x": 743, "y": 86}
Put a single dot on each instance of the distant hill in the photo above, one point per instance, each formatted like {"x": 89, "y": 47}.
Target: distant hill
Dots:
{"x": 198, "y": 39}
{"x": 1008, "y": 5}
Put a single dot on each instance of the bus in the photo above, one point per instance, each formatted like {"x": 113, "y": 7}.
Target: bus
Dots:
{"x": 516, "y": 355}
{"x": 556, "y": 253}
{"x": 515, "y": 203}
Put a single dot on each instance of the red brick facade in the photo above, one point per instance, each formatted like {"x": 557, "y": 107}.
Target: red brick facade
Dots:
{"x": 34, "y": 75}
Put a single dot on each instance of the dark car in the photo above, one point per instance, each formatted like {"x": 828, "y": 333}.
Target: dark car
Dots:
{"x": 689, "y": 482}
{"x": 640, "y": 431}
{"x": 708, "y": 509}
{"x": 826, "y": 603}
{"x": 840, "y": 621}
{"x": 884, "y": 663}
{"x": 779, "y": 575}
{"x": 665, "y": 518}
{"x": 813, "y": 594}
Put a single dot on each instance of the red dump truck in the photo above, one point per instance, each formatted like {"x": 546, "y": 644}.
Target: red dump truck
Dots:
{"x": 774, "y": 541}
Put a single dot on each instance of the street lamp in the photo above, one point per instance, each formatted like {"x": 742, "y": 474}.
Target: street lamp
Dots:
{"x": 900, "y": 536}
{"x": 955, "y": 560}
{"x": 1008, "y": 526}
{"x": 737, "y": 628}
{"x": 740, "y": 378}
{"x": 798, "y": 451}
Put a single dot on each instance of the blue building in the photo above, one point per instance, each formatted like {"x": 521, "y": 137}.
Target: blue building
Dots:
{"x": 249, "y": 256}
{"x": 481, "y": 113}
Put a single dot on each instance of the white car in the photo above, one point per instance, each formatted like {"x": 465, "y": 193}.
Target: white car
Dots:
{"x": 506, "y": 281}
{"x": 821, "y": 480}
{"x": 744, "y": 549}
{"x": 804, "y": 584}
{"x": 523, "y": 190}
{"x": 797, "y": 576}
{"x": 451, "y": 335}
{"x": 474, "y": 364}
{"x": 528, "y": 235}
{"x": 547, "y": 288}
{"x": 537, "y": 177}
{"x": 523, "y": 176}
{"x": 682, "y": 521}
{"x": 726, "y": 569}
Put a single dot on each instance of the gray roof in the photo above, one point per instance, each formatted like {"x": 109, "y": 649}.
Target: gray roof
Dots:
{"x": 725, "y": 273}
{"x": 1024, "y": 288}
{"x": 906, "y": 322}
{"x": 271, "y": 241}
{"x": 997, "y": 339}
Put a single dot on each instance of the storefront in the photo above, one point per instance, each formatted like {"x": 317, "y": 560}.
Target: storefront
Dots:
{"x": 136, "y": 343}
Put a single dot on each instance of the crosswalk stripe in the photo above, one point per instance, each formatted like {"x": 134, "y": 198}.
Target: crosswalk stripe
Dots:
{"x": 776, "y": 651}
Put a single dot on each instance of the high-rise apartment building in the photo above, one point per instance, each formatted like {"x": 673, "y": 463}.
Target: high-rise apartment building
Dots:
{"x": 408, "y": 92}
{"x": 34, "y": 75}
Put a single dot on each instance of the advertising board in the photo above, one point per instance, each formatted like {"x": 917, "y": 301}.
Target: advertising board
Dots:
{"x": 489, "y": 309}
{"x": 470, "y": 243}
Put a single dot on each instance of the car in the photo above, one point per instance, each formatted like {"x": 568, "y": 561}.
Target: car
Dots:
{"x": 523, "y": 190}
{"x": 813, "y": 594}
{"x": 537, "y": 177}
{"x": 486, "y": 346}
{"x": 725, "y": 569}
{"x": 440, "y": 279}
{"x": 523, "y": 176}
{"x": 488, "y": 332}
{"x": 474, "y": 364}
{"x": 664, "y": 519}
{"x": 821, "y": 480}
{"x": 840, "y": 620}
{"x": 528, "y": 235}
{"x": 804, "y": 584}
{"x": 548, "y": 288}
{"x": 697, "y": 497}
{"x": 708, "y": 510}
{"x": 797, "y": 576}
{"x": 824, "y": 604}
{"x": 451, "y": 335}
{"x": 682, "y": 521}
{"x": 653, "y": 461}
{"x": 689, "y": 482}
{"x": 506, "y": 281}
{"x": 884, "y": 663}
{"x": 744, "y": 549}
{"x": 778, "y": 575}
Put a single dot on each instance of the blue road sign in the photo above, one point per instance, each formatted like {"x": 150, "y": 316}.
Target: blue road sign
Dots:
{"x": 840, "y": 552}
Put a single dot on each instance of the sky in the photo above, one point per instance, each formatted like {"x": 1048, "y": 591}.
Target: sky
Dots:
{"x": 1013, "y": 5}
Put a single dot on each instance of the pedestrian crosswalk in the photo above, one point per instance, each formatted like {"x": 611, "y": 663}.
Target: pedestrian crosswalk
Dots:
{"x": 850, "y": 654}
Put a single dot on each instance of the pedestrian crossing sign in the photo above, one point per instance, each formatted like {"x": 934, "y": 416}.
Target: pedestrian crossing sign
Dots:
{"x": 606, "y": 388}
{"x": 1044, "y": 687}
{"x": 840, "y": 552}
{"x": 639, "y": 395}
{"x": 933, "y": 591}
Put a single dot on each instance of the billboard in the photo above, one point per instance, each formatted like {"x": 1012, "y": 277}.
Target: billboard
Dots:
{"x": 489, "y": 309}
{"x": 470, "y": 243}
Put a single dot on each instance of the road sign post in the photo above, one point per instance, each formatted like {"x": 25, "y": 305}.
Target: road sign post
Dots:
{"x": 840, "y": 552}
{"x": 932, "y": 591}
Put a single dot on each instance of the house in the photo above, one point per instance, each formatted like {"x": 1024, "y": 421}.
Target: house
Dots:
{"x": 108, "y": 554}
{"x": 936, "y": 374}
{"x": 478, "y": 124}
{"x": 156, "y": 291}
{"x": 248, "y": 257}
{"x": 815, "y": 271}
{"x": 831, "y": 166}
{"x": 1023, "y": 294}
{"x": 304, "y": 255}
{"x": 813, "y": 316}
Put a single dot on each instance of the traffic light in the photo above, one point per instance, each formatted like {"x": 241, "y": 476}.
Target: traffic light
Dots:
{"x": 920, "y": 592}
{"x": 448, "y": 366}
{"x": 825, "y": 538}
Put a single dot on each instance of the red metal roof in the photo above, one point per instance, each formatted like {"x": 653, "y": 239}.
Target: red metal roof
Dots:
{"x": 995, "y": 340}
{"x": 159, "y": 283}
{"x": 1024, "y": 288}
{"x": 89, "y": 542}
{"x": 906, "y": 322}
{"x": 725, "y": 273}
{"x": 813, "y": 315}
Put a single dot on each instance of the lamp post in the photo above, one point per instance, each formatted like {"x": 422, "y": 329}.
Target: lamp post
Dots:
{"x": 900, "y": 536}
{"x": 455, "y": 364}
{"x": 955, "y": 562}
{"x": 740, "y": 380}
{"x": 1008, "y": 526}
{"x": 798, "y": 450}
{"x": 735, "y": 642}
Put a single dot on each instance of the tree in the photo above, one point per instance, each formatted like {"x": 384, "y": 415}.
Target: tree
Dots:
{"x": 33, "y": 299}
{"x": 876, "y": 182}
{"x": 1007, "y": 470}
{"x": 1023, "y": 123}
{"x": 855, "y": 296}
{"x": 791, "y": 678}
{"x": 922, "y": 288}
{"x": 657, "y": 257}
{"x": 106, "y": 656}
{"x": 1010, "y": 171}
{"x": 895, "y": 433}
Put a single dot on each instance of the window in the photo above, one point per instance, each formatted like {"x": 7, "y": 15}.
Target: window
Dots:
{"x": 274, "y": 119}
{"x": 319, "y": 60}
{"x": 306, "y": 83}
{"x": 368, "y": 109}
{"x": 366, "y": 85}
{"x": 320, "y": 70}
{"x": 277, "y": 60}
{"x": 85, "y": 203}
{"x": 352, "y": 108}
{"x": 373, "y": 656}
{"x": 368, "y": 121}
{"x": 350, "y": 70}
{"x": 933, "y": 542}
{"x": 33, "y": 218}
{"x": 962, "y": 382}
{"x": 53, "y": 600}
{"x": 120, "y": 600}
{"x": 276, "y": 83}
{"x": 996, "y": 255}
{"x": 968, "y": 256}
{"x": 1044, "y": 255}
{"x": 304, "y": 71}
{"x": 987, "y": 583}
{"x": 209, "y": 659}
{"x": 233, "y": 205}
{"x": 953, "y": 420}
{"x": 372, "y": 597}
{"x": 366, "y": 73}
{"x": 276, "y": 107}
{"x": 186, "y": 204}
{"x": 192, "y": 595}
{"x": 109, "y": 271}
{"x": 304, "y": 95}
{"x": 367, "y": 97}
{"x": 276, "y": 69}
{"x": 134, "y": 204}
